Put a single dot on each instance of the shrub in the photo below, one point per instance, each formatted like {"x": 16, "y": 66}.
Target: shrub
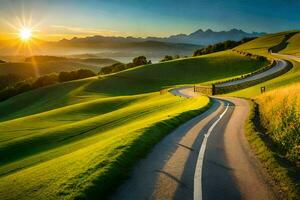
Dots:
{"x": 42, "y": 81}
{"x": 8, "y": 80}
{"x": 166, "y": 58}
{"x": 45, "y": 80}
{"x": 117, "y": 67}
{"x": 74, "y": 75}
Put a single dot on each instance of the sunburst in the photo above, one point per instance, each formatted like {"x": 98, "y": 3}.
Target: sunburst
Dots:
{"x": 26, "y": 37}
{"x": 25, "y": 34}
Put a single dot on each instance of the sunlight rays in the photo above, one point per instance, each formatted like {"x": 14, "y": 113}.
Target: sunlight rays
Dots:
{"x": 25, "y": 37}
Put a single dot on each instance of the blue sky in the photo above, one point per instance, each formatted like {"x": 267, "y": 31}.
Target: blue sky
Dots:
{"x": 57, "y": 18}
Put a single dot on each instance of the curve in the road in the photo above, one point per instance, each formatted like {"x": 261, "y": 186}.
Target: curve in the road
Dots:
{"x": 280, "y": 66}
{"x": 228, "y": 169}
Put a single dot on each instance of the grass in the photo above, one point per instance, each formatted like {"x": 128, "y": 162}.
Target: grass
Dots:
{"x": 260, "y": 46}
{"x": 79, "y": 139}
{"x": 144, "y": 79}
{"x": 48, "y": 65}
{"x": 293, "y": 46}
{"x": 280, "y": 115}
{"x": 61, "y": 153}
{"x": 285, "y": 176}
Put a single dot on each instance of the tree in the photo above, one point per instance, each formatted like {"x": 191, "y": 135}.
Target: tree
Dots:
{"x": 137, "y": 61}
{"x": 177, "y": 56}
{"x": 166, "y": 58}
{"x": 9, "y": 80}
{"x": 45, "y": 80}
{"x": 85, "y": 73}
{"x": 140, "y": 60}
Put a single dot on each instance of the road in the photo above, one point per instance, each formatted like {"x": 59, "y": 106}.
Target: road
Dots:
{"x": 280, "y": 65}
{"x": 287, "y": 56}
{"x": 207, "y": 157}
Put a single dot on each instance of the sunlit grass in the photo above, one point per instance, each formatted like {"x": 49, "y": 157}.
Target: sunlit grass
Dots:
{"x": 293, "y": 47}
{"x": 260, "y": 46}
{"x": 65, "y": 160}
{"x": 280, "y": 115}
{"x": 65, "y": 140}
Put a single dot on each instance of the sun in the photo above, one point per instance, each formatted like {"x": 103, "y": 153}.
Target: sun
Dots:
{"x": 25, "y": 34}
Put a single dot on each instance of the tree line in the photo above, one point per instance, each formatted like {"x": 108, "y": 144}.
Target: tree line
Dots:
{"x": 221, "y": 46}
{"x": 12, "y": 85}
{"x": 42, "y": 81}
{"x": 117, "y": 67}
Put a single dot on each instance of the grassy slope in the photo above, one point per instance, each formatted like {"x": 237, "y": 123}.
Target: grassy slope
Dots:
{"x": 60, "y": 153}
{"x": 282, "y": 122}
{"x": 260, "y": 46}
{"x": 140, "y": 80}
{"x": 293, "y": 46}
{"x": 28, "y": 69}
{"x": 285, "y": 175}
{"x": 38, "y": 69}
{"x": 64, "y": 140}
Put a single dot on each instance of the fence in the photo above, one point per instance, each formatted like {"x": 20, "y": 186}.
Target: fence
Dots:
{"x": 207, "y": 90}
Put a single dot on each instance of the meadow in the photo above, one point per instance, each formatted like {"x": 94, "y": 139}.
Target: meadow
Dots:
{"x": 66, "y": 153}
{"x": 79, "y": 139}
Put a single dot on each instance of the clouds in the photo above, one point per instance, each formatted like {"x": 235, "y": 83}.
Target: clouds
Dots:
{"x": 81, "y": 31}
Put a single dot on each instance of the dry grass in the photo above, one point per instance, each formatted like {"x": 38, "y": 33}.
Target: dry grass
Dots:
{"x": 280, "y": 115}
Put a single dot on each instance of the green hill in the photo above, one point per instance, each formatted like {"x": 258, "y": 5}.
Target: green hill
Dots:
{"x": 41, "y": 65}
{"x": 144, "y": 79}
{"x": 260, "y": 46}
{"x": 78, "y": 139}
{"x": 293, "y": 46}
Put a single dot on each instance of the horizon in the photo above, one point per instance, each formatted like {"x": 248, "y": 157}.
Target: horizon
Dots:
{"x": 146, "y": 37}
{"x": 51, "y": 22}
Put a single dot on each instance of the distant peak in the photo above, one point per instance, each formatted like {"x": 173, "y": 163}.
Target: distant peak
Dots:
{"x": 237, "y": 30}
{"x": 199, "y": 31}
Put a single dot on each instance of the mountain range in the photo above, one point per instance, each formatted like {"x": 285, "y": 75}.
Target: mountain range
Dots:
{"x": 198, "y": 37}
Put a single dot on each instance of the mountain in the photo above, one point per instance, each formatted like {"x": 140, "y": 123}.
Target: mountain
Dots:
{"x": 209, "y": 36}
{"x": 125, "y": 48}
{"x": 198, "y": 37}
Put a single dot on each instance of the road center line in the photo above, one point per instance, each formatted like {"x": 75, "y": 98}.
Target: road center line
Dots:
{"x": 199, "y": 164}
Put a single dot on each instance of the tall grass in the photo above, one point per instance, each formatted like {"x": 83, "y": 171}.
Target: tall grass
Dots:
{"x": 280, "y": 115}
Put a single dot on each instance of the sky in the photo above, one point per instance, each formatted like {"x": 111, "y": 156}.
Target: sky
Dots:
{"x": 57, "y": 19}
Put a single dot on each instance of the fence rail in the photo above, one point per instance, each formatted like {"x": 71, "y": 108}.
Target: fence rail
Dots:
{"x": 207, "y": 90}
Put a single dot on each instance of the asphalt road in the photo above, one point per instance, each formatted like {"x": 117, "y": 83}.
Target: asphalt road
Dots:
{"x": 206, "y": 158}
{"x": 287, "y": 56}
{"x": 280, "y": 65}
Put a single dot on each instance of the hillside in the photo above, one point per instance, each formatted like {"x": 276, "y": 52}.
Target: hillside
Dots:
{"x": 260, "y": 46}
{"x": 144, "y": 79}
{"x": 96, "y": 124}
{"x": 41, "y": 65}
{"x": 293, "y": 46}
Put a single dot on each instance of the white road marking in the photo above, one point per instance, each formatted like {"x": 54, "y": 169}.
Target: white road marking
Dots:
{"x": 199, "y": 165}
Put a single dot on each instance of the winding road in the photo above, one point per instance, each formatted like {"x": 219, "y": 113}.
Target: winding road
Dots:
{"x": 206, "y": 158}
{"x": 280, "y": 65}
